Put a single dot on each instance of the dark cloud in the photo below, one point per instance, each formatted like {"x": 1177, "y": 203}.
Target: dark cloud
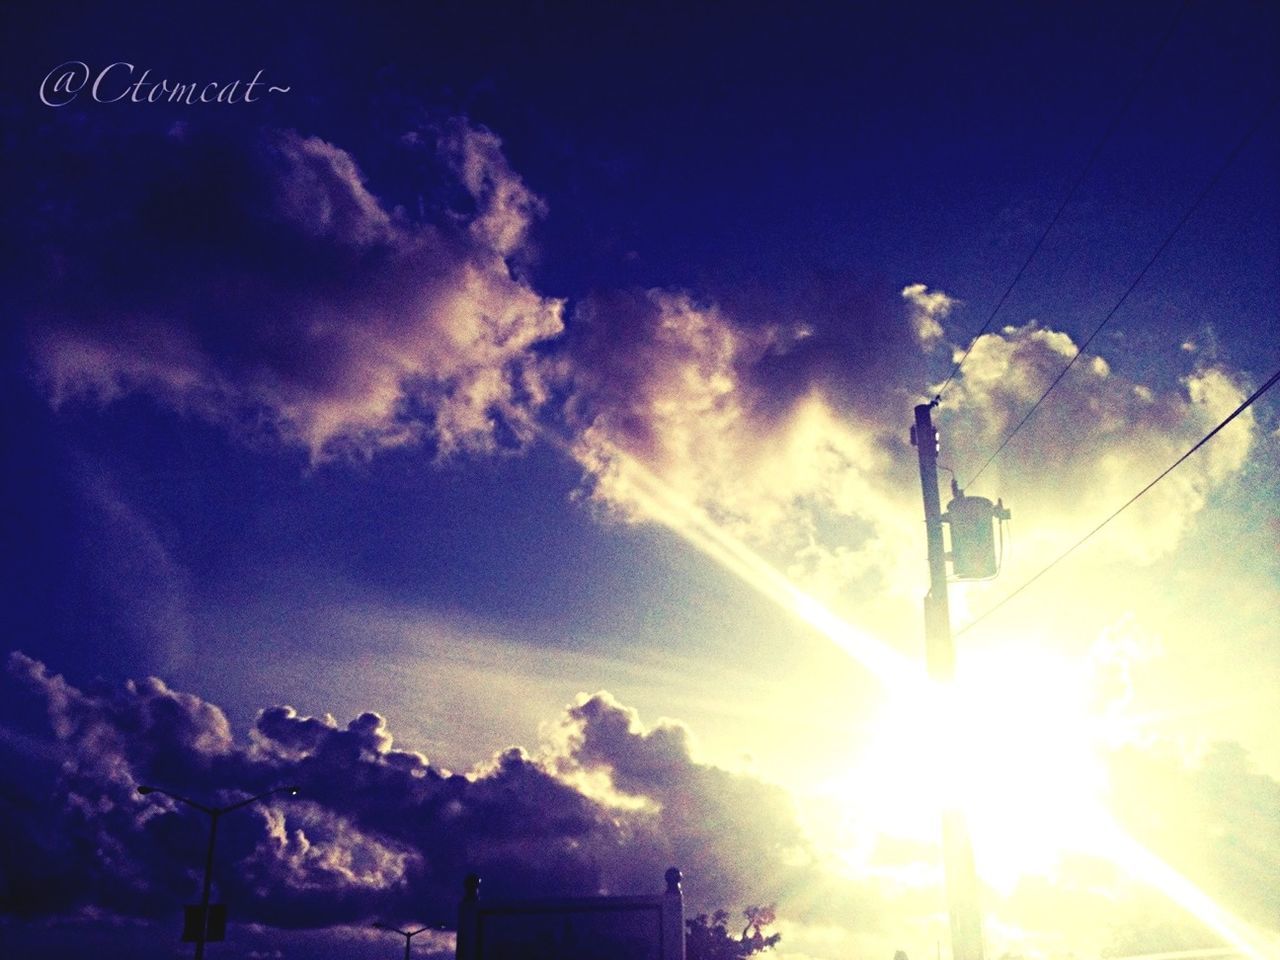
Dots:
{"x": 736, "y": 835}
{"x": 648, "y": 367}
{"x": 376, "y": 831}
{"x": 607, "y": 802}
{"x": 259, "y": 283}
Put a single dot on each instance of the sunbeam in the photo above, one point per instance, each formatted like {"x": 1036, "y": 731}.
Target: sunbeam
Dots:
{"x": 1084, "y": 822}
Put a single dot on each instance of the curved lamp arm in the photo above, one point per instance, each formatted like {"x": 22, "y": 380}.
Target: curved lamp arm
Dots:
{"x": 216, "y": 811}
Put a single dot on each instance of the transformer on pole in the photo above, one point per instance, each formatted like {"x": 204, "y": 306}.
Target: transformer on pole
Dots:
{"x": 973, "y": 547}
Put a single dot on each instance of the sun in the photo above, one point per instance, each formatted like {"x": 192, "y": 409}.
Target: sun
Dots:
{"x": 1015, "y": 742}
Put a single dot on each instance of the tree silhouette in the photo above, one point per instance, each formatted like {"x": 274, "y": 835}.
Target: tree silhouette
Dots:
{"x": 708, "y": 937}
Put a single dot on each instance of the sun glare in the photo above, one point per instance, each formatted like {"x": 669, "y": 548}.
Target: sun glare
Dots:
{"x": 1015, "y": 742}
{"x": 1012, "y": 743}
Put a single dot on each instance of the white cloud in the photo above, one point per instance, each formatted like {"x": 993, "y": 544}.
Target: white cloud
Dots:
{"x": 928, "y": 310}
{"x": 678, "y": 411}
{"x": 1096, "y": 441}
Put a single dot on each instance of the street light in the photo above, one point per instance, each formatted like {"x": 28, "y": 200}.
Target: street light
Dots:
{"x": 407, "y": 934}
{"x": 214, "y": 813}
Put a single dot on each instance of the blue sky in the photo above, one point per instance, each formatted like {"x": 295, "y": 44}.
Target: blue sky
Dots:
{"x": 489, "y": 382}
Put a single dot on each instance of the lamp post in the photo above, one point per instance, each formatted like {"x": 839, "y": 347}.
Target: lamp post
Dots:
{"x": 407, "y": 934}
{"x": 214, "y": 814}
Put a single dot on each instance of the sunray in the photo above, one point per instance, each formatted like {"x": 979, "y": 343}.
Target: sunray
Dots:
{"x": 903, "y": 677}
{"x": 1147, "y": 866}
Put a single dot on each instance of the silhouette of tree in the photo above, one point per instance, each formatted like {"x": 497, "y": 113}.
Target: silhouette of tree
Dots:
{"x": 708, "y": 937}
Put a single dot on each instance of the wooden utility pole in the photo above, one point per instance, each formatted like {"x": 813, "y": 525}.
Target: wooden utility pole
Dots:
{"x": 957, "y": 852}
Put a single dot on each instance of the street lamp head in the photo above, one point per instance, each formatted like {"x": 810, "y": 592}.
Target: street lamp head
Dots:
{"x": 293, "y": 791}
{"x": 144, "y": 789}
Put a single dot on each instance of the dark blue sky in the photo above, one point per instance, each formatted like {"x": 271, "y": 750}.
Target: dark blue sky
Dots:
{"x": 347, "y": 398}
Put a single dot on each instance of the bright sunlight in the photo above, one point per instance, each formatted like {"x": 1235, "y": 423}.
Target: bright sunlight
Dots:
{"x": 1013, "y": 744}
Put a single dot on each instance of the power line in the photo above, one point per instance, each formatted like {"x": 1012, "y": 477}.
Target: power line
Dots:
{"x": 1075, "y": 546}
{"x": 1106, "y": 135}
{"x": 1213, "y": 182}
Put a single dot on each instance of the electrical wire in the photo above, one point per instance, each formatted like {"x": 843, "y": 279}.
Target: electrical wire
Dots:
{"x": 1213, "y": 182}
{"x": 1130, "y": 502}
{"x": 1084, "y": 172}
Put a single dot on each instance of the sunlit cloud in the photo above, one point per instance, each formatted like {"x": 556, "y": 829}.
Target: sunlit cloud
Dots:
{"x": 669, "y": 409}
{"x": 1099, "y": 439}
{"x": 1018, "y": 750}
{"x": 928, "y": 310}
{"x": 356, "y": 330}
{"x": 662, "y": 505}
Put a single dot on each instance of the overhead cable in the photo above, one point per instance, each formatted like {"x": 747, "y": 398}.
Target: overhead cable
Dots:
{"x": 1127, "y": 504}
{"x": 1106, "y": 135}
{"x": 1213, "y": 182}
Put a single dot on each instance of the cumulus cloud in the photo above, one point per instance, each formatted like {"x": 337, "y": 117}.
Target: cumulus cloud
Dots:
{"x": 603, "y": 805}
{"x": 506, "y": 207}
{"x": 674, "y": 396}
{"x": 265, "y": 287}
{"x": 269, "y": 289}
{"x": 1099, "y": 438}
{"x": 376, "y": 831}
{"x": 735, "y": 837}
{"x": 676, "y": 402}
{"x": 658, "y": 380}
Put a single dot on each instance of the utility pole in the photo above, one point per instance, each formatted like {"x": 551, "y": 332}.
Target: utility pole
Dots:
{"x": 957, "y": 852}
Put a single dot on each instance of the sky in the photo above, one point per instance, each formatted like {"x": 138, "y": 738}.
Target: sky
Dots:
{"x": 493, "y": 419}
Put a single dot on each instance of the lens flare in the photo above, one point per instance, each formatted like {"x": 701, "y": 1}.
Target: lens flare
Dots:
{"x": 1130, "y": 855}
{"x": 1043, "y": 737}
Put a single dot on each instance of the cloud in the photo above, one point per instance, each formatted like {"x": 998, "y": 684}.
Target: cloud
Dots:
{"x": 376, "y": 831}
{"x": 506, "y": 207}
{"x": 1215, "y": 820}
{"x": 928, "y": 310}
{"x": 673, "y": 395}
{"x": 736, "y": 838}
{"x": 1098, "y": 439}
{"x": 263, "y": 286}
{"x": 659, "y": 378}
{"x": 677, "y": 405}
{"x": 604, "y": 804}
{"x": 266, "y": 287}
